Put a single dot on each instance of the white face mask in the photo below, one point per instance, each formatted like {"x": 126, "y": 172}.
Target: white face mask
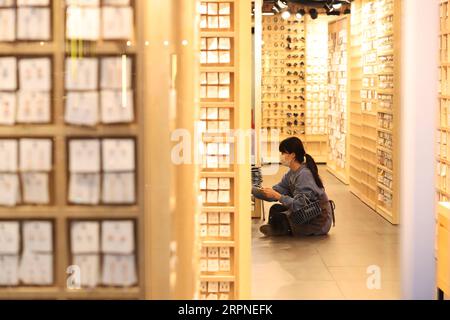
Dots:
{"x": 285, "y": 161}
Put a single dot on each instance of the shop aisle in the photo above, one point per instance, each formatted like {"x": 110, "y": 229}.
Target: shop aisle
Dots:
{"x": 331, "y": 267}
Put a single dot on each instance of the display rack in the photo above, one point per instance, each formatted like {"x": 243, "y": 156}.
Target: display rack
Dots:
{"x": 283, "y": 82}
{"x": 60, "y": 211}
{"x": 339, "y": 99}
{"x": 289, "y": 68}
{"x": 375, "y": 105}
{"x": 443, "y": 183}
{"x": 225, "y": 180}
{"x": 316, "y": 88}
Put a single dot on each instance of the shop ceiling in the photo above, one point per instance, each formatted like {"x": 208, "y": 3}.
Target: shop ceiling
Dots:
{"x": 331, "y": 7}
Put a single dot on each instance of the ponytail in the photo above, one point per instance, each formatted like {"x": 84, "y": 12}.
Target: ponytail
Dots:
{"x": 312, "y": 166}
{"x": 295, "y": 145}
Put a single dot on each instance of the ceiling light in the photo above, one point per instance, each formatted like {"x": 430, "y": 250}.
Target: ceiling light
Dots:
{"x": 313, "y": 13}
{"x": 286, "y": 14}
{"x": 282, "y": 4}
{"x": 300, "y": 13}
{"x": 337, "y": 6}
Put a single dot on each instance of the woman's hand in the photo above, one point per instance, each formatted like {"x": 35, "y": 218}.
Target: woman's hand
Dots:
{"x": 272, "y": 194}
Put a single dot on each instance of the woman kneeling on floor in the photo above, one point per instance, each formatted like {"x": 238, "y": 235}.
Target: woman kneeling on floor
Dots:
{"x": 302, "y": 180}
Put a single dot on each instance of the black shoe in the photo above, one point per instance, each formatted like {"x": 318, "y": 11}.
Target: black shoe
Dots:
{"x": 269, "y": 231}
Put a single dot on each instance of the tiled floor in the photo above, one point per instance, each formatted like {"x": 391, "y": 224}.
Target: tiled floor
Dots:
{"x": 337, "y": 266}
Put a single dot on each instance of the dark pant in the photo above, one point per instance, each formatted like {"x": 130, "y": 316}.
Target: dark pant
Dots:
{"x": 278, "y": 219}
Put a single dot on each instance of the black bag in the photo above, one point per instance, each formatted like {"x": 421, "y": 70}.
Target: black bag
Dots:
{"x": 309, "y": 211}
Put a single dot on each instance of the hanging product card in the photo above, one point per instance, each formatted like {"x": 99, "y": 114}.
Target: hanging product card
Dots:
{"x": 85, "y": 237}
{"x": 35, "y": 74}
{"x": 9, "y": 237}
{"x": 213, "y": 230}
{"x": 224, "y": 265}
{"x": 213, "y": 218}
{"x": 213, "y": 286}
{"x": 33, "y": 24}
{"x": 203, "y": 218}
{"x": 213, "y": 252}
{"x": 8, "y": 73}
{"x": 224, "y": 92}
{"x": 212, "y": 197}
{"x": 116, "y": 73}
{"x": 9, "y": 270}
{"x": 117, "y": 107}
{"x": 213, "y": 265}
{"x": 84, "y": 156}
{"x": 225, "y": 231}
{"x": 203, "y": 230}
{"x": 7, "y": 24}
{"x": 224, "y": 184}
{"x": 118, "y": 237}
{"x": 8, "y": 155}
{"x": 36, "y": 269}
{"x": 8, "y": 103}
{"x": 118, "y": 155}
{"x": 203, "y": 265}
{"x": 33, "y": 107}
{"x": 224, "y": 22}
{"x": 84, "y": 188}
{"x": 6, "y": 3}
{"x": 213, "y": 184}
{"x": 83, "y": 23}
{"x": 118, "y": 188}
{"x": 119, "y": 270}
{"x": 89, "y": 268}
{"x": 224, "y": 43}
{"x": 81, "y": 74}
{"x": 82, "y": 108}
{"x": 37, "y": 236}
{"x": 9, "y": 189}
{"x": 35, "y": 188}
{"x": 35, "y": 155}
{"x": 225, "y": 218}
{"x": 224, "y": 196}
{"x": 224, "y": 252}
{"x": 117, "y": 23}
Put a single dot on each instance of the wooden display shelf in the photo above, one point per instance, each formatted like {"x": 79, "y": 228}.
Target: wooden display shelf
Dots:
{"x": 369, "y": 166}
{"x": 368, "y": 185}
{"x": 30, "y": 293}
{"x": 316, "y": 138}
{"x": 104, "y": 293}
{"x": 47, "y": 130}
{"x": 337, "y": 173}
{"x": 386, "y": 213}
{"x": 384, "y": 168}
{"x": 241, "y": 92}
{"x": 369, "y": 202}
{"x": 218, "y": 243}
{"x": 60, "y": 212}
{"x": 385, "y": 149}
{"x": 382, "y": 186}
{"x": 215, "y": 69}
{"x": 213, "y": 34}
{"x": 218, "y": 209}
{"x": 218, "y": 104}
{"x": 384, "y": 130}
{"x": 217, "y": 278}
{"x": 217, "y": 174}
